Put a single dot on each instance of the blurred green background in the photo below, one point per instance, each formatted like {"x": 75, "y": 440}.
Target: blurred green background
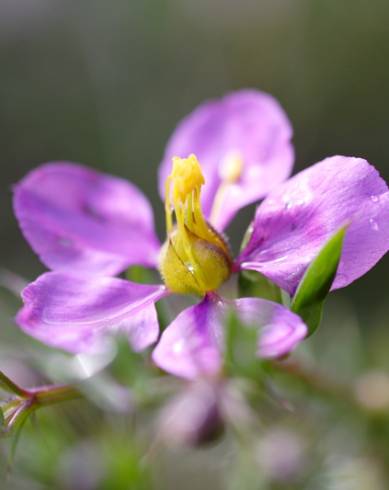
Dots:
{"x": 105, "y": 82}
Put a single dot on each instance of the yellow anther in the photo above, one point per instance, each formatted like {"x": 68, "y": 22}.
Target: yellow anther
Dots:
{"x": 186, "y": 177}
{"x": 195, "y": 258}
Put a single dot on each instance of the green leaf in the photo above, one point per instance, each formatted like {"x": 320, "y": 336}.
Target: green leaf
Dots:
{"x": 317, "y": 280}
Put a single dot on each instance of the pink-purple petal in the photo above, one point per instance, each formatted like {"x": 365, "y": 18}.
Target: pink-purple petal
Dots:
{"x": 280, "y": 329}
{"x": 249, "y": 123}
{"x": 190, "y": 345}
{"x": 78, "y": 314}
{"x": 79, "y": 219}
{"x": 294, "y": 222}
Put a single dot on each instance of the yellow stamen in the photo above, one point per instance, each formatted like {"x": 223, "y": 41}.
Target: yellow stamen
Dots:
{"x": 195, "y": 258}
{"x": 187, "y": 177}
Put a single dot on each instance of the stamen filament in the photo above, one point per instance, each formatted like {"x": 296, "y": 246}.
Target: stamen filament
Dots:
{"x": 230, "y": 172}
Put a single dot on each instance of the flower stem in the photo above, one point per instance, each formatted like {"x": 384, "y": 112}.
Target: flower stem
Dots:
{"x": 42, "y": 395}
{"x": 49, "y": 395}
{"x": 26, "y": 401}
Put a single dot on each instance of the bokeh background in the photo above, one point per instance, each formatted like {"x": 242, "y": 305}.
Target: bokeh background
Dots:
{"x": 105, "y": 82}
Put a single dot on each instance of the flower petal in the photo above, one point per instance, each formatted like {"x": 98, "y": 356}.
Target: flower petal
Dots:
{"x": 74, "y": 217}
{"x": 189, "y": 347}
{"x": 76, "y": 314}
{"x": 248, "y": 124}
{"x": 293, "y": 223}
{"x": 281, "y": 330}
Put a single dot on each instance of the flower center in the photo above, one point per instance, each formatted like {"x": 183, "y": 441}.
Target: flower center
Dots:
{"x": 194, "y": 258}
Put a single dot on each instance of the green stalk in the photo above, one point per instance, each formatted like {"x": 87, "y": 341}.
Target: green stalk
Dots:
{"x": 50, "y": 395}
{"x": 9, "y": 385}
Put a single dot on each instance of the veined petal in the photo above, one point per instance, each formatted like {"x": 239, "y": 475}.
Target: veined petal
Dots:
{"x": 76, "y": 314}
{"x": 248, "y": 126}
{"x": 293, "y": 223}
{"x": 192, "y": 344}
{"x": 280, "y": 329}
{"x": 79, "y": 219}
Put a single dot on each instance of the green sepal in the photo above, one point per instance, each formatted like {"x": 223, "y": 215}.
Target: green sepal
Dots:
{"x": 317, "y": 281}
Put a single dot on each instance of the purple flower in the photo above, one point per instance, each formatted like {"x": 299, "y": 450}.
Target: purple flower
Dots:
{"x": 87, "y": 227}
